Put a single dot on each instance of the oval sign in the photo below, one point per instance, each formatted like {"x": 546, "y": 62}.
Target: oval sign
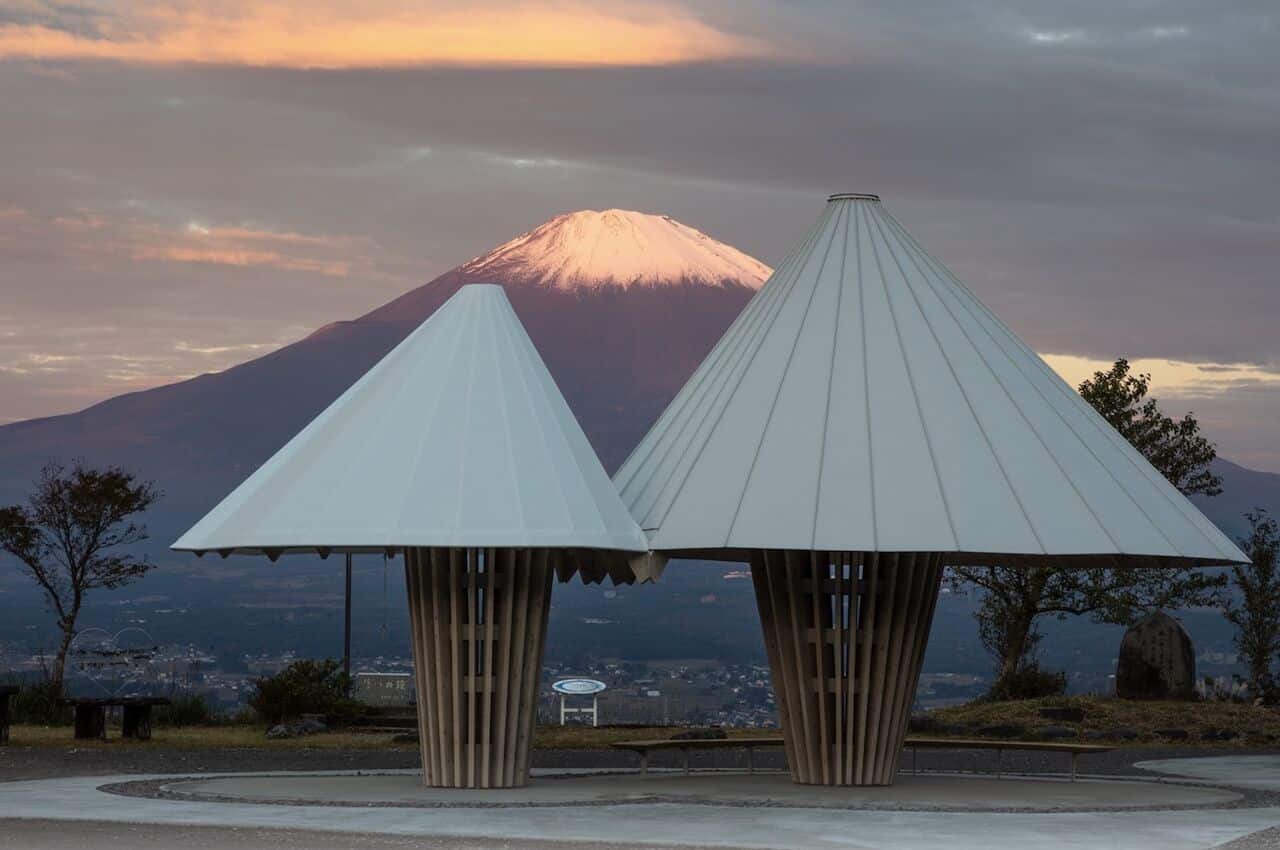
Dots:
{"x": 578, "y": 687}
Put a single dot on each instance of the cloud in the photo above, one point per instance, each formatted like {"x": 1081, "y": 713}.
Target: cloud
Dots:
{"x": 1103, "y": 194}
{"x": 90, "y": 234}
{"x": 1174, "y": 378}
{"x": 376, "y": 34}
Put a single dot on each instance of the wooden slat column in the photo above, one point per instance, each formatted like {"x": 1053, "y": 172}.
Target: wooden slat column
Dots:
{"x": 478, "y": 620}
{"x": 845, "y": 633}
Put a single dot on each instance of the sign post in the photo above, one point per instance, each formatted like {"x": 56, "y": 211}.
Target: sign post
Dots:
{"x": 579, "y": 687}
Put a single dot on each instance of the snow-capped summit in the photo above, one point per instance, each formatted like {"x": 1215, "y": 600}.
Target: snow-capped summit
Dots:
{"x": 590, "y": 249}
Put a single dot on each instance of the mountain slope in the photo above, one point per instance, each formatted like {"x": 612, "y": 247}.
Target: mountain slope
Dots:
{"x": 618, "y": 352}
{"x": 1243, "y": 490}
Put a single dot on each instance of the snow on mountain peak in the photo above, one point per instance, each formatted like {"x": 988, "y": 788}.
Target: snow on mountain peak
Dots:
{"x": 590, "y": 249}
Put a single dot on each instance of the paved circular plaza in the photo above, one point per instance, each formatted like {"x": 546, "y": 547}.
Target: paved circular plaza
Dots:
{"x": 1187, "y": 803}
{"x": 931, "y": 792}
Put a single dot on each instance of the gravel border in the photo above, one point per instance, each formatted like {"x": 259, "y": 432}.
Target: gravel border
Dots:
{"x": 164, "y": 789}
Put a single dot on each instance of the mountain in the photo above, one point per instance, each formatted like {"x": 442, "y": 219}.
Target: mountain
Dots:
{"x": 621, "y": 305}
{"x": 589, "y": 250}
{"x": 1243, "y": 490}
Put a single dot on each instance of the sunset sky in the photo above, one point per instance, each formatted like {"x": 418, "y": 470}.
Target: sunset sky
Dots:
{"x": 184, "y": 186}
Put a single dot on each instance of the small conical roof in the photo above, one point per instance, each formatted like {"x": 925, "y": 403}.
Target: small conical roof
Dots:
{"x": 865, "y": 400}
{"x": 458, "y": 437}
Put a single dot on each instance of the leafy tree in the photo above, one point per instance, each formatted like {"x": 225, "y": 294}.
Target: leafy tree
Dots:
{"x": 68, "y": 537}
{"x": 304, "y": 687}
{"x": 1173, "y": 446}
{"x": 1014, "y": 599}
{"x": 1256, "y": 615}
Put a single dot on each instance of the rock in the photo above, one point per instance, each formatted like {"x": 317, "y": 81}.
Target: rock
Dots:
{"x": 1157, "y": 660}
{"x": 1172, "y": 734}
{"x": 310, "y": 724}
{"x": 1055, "y": 732}
{"x": 1003, "y": 730}
{"x": 1219, "y": 735}
{"x": 713, "y": 733}
{"x": 1124, "y": 734}
{"x": 1063, "y": 713}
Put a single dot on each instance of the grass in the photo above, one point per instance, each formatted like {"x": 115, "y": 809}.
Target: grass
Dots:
{"x": 1257, "y": 725}
{"x": 203, "y": 738}
{"x": 254, "y": 737}
{"x": 589, "y": 738}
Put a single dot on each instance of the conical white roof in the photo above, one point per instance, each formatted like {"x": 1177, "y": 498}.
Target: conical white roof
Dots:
{"x": 458, "y": 437}
{"x": 865, "y": 400}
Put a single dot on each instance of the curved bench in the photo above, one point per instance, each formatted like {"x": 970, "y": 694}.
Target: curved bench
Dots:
{"x": 643, "y": 748}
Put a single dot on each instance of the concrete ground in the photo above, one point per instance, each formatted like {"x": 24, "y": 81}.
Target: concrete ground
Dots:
{"x": 1252, "y": 771}
{"x": 78, "y": 812}
{"x": 80, "y": 835}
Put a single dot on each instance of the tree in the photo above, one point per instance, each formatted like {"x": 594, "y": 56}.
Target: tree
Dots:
{"x": 1173, "y": 446}
{"x": 1256, "y": 615}
{"x": 1014, "y": 599}
{"x": 68, "y": 538}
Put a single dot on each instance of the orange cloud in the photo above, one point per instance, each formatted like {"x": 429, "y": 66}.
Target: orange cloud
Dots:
{"x": 87, "y": 236}
{"x": 1177, "y": 378}
{"x": 238, "y": 246}
{"x": 380, "y": 33}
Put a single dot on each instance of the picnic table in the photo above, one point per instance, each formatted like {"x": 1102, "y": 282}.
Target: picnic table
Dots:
{"x": 91, "y": 716}
{"x": 6, "y": 691}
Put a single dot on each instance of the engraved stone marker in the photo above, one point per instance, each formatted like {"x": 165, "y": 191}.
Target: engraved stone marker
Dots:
{"x": 1157, "y": 660}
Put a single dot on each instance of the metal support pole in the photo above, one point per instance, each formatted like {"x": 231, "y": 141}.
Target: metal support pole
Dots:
{"x": 595, "y": 711}
{"x": 346, "y": 631}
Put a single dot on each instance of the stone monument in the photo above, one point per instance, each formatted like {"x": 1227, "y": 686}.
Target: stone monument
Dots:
{"x": 1157, "y": 660}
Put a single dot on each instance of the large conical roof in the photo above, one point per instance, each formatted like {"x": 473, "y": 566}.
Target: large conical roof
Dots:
{"x": 458, "y": 437}
{"x": 865, "y": 400}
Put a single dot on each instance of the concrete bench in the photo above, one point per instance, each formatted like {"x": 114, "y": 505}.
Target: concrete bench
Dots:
{"x": 1074, "y": 750}
{"x": 6, "y": 691}
{"x": 643, "y": 748}
{"x": 91, "y": 716}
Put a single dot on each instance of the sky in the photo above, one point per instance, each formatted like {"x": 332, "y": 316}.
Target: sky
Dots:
{"x": 184, "y": 186}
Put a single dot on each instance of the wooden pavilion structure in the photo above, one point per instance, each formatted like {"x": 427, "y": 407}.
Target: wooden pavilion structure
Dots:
{"x": 864, "y": 423}
{"x": 458, "y": 451}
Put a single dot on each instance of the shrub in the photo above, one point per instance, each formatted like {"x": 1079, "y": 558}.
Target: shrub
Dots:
{"x": 187, "y": 709}
{"x": 1028, "y": 682}
{"x": 304, "y": 687}
{"x": 37, "y": 703}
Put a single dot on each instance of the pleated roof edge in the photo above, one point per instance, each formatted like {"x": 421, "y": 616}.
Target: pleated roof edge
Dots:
{"x": 865, "y": 400}
{"x": 458, "y": 437}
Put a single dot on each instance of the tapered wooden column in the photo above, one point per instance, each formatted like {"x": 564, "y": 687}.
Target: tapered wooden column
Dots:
{"x": 845, "y": 633}
{"x": 478, "y": 619}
